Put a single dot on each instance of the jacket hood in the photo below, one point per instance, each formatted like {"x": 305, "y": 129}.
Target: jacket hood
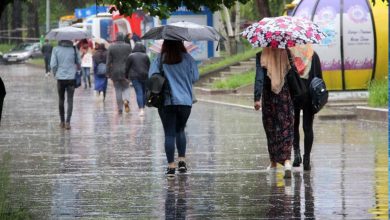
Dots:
{"x": 139, "y": 47}
{"x": 120, "y": 37}
{"x": 65, "y": 43}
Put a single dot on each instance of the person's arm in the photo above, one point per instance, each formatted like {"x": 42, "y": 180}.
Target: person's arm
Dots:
{"x": 108, "y": 63}
{"x": 316, "y": 64}
{"x": 154, "y": 67}
{"x": 129, "y": 63}
{"x": 53, "y": 62}
{"x": 195, "y": 70}
{"x": 259, "y": 81}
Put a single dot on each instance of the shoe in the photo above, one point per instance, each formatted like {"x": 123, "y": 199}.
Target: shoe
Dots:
{"x": 67, "y": 126}
{"x": 141, "y": 112}
{"x": 62, "y": 125}
{"x": 127, "y": 107}
{"x": 287, "y": 170}
{"x": 306, "y": 162}
{"x": 271, "y": 167}
{"x": 297, "y": 158}
{"x": 182, "y": 167}
{"x": 170, "y": 172}
{"x": 120, "y": 111}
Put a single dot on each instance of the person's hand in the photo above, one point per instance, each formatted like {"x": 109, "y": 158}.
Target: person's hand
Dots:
{"x": 257, "y": 105}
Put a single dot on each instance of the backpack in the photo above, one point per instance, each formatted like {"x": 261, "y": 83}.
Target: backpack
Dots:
{"x": 155, "y": 91}
{"x": 101, "y": 69}
{"x": 318, "y": 93}
{"x": 155, "y": 87}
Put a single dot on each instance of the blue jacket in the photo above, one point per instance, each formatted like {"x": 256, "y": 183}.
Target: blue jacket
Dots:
{"x": 180, "y": 77}
{"x": 63, "y": 60}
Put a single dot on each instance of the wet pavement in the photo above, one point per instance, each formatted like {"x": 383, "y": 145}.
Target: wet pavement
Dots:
{"x": 111, "y": 166}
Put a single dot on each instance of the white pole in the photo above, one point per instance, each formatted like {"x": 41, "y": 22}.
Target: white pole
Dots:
{"x": 47, "y": 16}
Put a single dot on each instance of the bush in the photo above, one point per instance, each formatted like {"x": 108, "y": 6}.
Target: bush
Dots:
{"x": 235, "y": 81}
{"x": 378, "y": 93}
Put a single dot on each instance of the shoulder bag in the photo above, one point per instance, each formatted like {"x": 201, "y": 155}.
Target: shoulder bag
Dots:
{"x": 155, "y": 87}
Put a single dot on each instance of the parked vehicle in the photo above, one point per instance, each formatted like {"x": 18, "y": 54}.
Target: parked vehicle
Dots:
{"x": 23, "y": 52}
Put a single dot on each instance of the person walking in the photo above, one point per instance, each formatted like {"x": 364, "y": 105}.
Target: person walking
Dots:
{"x": 46, "y": 51}
{"x": 308, "y": 65}
{"x": 116, "y": 69}
{"x": 137, "y": 68}
{"x": 64, "y": 61}
{"x": 86, "y": 65}
{"x": 99, "y": 58}
{"x": 181, "y": 71}
{"x": 272, "y": 95}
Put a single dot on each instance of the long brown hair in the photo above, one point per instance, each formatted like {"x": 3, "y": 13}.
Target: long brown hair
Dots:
{"x": 172, "y": 50}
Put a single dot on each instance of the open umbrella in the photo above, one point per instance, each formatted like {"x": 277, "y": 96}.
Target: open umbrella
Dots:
{"x": 185, "y": 31}
{"x": 68, "y": 33}
{"x": 283, "y": 32}
{"x": 157, "y": 45}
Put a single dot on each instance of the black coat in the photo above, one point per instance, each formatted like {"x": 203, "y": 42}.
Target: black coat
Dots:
{"x": 138, "y": 63}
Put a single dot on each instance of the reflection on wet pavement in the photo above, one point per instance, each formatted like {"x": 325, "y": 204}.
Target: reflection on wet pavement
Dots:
{"x": 112, "y": 166}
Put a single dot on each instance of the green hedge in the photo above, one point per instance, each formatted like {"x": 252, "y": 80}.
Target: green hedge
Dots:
{"x": 378, "y": 93}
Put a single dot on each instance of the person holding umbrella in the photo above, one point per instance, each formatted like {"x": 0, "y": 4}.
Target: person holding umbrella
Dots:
{"x": 272, "y": 92}
{"x": 99, "y": 59}
{"x": 181, "y": 71}
{"x": 64, "y": 62}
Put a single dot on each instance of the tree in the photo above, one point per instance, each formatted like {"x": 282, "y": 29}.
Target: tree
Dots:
{"x": 163, "y": 8}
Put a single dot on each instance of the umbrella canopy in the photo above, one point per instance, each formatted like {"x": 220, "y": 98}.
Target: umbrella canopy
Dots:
{"x": 185, "y": 31}
{"x": 68, "y": 33}
{"x": 157, "y": 45}
{"x": 283, "y": 32}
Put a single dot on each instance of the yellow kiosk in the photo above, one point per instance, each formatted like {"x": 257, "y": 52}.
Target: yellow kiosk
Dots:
{"x": 356, "y": 49}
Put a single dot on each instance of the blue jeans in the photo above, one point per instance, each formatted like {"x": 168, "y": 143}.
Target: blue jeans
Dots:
{"x": 139, "y": 87}
{"x": 174, "y": 119}
{"x": 86, "y": 71}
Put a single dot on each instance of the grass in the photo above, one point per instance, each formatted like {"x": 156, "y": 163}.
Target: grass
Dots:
{"x": 37, "y": 61}
{"x": 378, "y": 93}
{"x": 6, "y": 47}
{"x": 229, "y": 60}
{"x": 235, "y": 81}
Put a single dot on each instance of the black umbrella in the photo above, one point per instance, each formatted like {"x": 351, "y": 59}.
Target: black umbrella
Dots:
{"x": 185, "y": 31}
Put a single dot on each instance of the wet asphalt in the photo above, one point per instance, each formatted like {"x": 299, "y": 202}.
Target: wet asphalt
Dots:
{"x": 111, "y": 166}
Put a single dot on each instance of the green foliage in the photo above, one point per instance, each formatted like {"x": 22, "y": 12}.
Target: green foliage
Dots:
{"x": 229, "y": 61}
{"x": 163, "y": 8}
{"x": 6, "y": 47}
{"x": 235, "y": 81}
{"x": 378, "y": 93}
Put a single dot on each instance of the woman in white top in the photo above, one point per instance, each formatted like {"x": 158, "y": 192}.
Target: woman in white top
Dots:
{"x": 86, "y": 65}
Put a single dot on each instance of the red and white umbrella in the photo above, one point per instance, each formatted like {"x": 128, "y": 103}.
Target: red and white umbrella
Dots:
{"x": 157, "y": 45}
{"x": 283, "y": 32}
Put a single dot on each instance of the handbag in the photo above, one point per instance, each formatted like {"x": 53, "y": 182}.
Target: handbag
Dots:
{"x": 77, "y": 77}
{"x": 295, "y": 83}
{"x": 155, "y": 87}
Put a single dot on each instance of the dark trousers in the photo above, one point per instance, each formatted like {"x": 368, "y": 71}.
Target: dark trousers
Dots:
{"x": 174, "y": 119}
{"x": 304, "y": 104}
{"x": 47, "y": 63}
{"x": 68, "y": 87}
{"x": 2, "y": 96}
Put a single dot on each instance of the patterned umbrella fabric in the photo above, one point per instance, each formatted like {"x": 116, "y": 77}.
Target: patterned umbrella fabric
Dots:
{"x": 283, "y": 32}
{"x": 157, "y": 45}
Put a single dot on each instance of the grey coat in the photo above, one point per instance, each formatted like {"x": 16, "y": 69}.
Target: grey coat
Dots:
{"x": 116, "y": 58}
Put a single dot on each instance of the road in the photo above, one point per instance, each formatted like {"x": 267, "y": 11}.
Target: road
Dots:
{"x": 112, "y": 166}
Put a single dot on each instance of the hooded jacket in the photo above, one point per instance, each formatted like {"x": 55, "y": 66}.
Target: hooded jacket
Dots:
{"x": 116, "y": 58}
{"x": 64, "y": 60}
{"x": 138, "y": 63}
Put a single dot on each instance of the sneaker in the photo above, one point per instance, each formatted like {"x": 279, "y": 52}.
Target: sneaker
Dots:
{"x": 127, "y": 107}
{"x": 170, "y": 172}
{"x": 141, "y": 112}
{"x": 182, "y": 167}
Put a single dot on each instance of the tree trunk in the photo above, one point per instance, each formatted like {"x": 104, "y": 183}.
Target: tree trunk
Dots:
{"x": 4, "y": 29}
{"x": 262, "y": 7}
{"x": 16, "y": 21}
{"x": 32, "y": 20}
